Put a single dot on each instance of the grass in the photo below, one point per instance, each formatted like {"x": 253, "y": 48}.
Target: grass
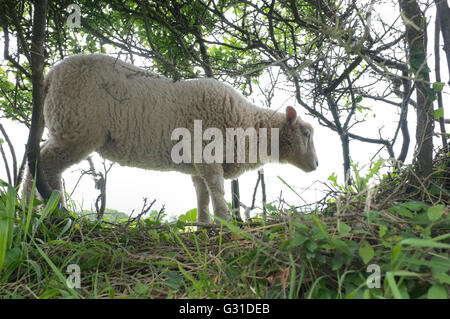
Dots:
{"x": 391, "y": 241}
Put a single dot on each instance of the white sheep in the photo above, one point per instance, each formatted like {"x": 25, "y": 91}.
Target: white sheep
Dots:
{"x": 98, "y": 103}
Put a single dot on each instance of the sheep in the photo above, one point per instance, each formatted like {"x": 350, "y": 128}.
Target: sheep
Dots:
{"x": 98, "y": 103}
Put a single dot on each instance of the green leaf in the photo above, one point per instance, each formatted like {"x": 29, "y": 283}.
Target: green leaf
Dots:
{"x": 13, "y": 259}
{"x": 435, "y": 212}
{"x": 300, "y": 225}
{"x": 440, "y": 265}
{"x": 50, "y": 293}
{"x": 322, "y": 227}
{"x": 393, "y": 285}
{"x": 437, "y": 291}
{"x": 182, "y": 218}
{"x": 298, "y": 240}
{"x": 404, "y": 273}
{"x": 416, "y": 242}
{"x": 438, "y": 113}
{"x": 191, "y": 215}
{"x": 343, "y": 228}
{"x": 431, "y": 94}
{"x": 181, "y": 221}
{"x": 421, "y": 219}
{"x": 333, "y": 178}
{"x": 36, "y": 267}
{"x": 13, "y": 256}
{"x": 396, "y": 252}
{"x": 311, "y": 245}
{"x": 366, "y": 252}
{"x": 442, "y": 278}
{"x": 382, "y": 230}
{"x": 341, "y": 246}
{"x": 415, "y": 206}
{"x": 174, "y": 280}
{"x": 438, "y": 86}
{"x": 141, "y": 289}
{"x": 337, "y": 261}
{"x": 401, "y": 210}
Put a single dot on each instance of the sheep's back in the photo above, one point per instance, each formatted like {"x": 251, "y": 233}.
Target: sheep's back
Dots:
{"x": 131, "y": 113}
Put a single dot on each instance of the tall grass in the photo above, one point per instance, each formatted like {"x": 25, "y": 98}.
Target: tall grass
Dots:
{"x": 301, "y": 256}
{"x": 7, "y": 217}
{"x": 22, "y": 231}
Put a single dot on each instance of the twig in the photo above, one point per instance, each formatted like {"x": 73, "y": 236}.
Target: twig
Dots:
{"x": 13, "y": 155}
{"x": 263, "y": 188}
{"x": 145, "y": 209}
{"x": 437, "y": 63}
{"x": 254, "y": 191}
{"x": 5, "y": 160}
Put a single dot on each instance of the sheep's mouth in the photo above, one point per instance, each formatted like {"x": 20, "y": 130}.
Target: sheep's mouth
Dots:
{"x": 309, "y": 167}
{"x": 305, "y": 166}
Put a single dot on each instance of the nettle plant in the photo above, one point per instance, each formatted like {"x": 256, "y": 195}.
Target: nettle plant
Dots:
{"x": 357, "y": 182}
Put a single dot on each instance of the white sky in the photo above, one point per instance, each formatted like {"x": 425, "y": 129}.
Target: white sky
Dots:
{"x": 127, "y": 187}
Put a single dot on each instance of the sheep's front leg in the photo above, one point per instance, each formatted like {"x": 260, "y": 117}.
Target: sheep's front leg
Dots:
{"x": 217, "y": 193}
{"x": 202, "y": 200}
{"x": 212, "y": 174}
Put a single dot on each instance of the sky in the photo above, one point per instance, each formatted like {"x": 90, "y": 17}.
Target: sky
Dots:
{"x": 126, "y": 187}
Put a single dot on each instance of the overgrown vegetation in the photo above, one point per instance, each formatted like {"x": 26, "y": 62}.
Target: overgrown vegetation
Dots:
{"x": 343, "y": 62}
{"x": 394, "y": 229}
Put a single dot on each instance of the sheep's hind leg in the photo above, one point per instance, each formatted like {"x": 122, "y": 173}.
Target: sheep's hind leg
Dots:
{"x": 28, "y": 182}
{"x": 57, "y": 156}
{"x": 202, "y": 200}
{"x": 212, "y": 174}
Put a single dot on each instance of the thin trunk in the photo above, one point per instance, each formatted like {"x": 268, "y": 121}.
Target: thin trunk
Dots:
{"x": 404, "y": 120}
{"x": 343, "y": 135}
{"x": 415, "y": 36}
{"x": 437, "y": 63}
{"x": 37, "y": 80}
{"x": 443, "y": 14}
{"x": 235, "y": 203}
{"x": 346, "y": 154}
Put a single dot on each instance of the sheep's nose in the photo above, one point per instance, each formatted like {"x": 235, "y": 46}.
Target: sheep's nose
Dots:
{"x": 317, "y": 162}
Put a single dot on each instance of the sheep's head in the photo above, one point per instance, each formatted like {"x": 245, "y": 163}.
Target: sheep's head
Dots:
{"x": 296, "y": 142}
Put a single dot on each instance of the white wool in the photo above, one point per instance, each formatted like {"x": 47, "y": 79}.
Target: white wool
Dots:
{"x": 98, "y": 103}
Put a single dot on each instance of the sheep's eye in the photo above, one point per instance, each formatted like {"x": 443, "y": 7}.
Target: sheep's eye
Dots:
{"x": 306, "y": 134}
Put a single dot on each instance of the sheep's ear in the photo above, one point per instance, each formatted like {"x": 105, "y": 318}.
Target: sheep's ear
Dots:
{"x": 291, "y": 114}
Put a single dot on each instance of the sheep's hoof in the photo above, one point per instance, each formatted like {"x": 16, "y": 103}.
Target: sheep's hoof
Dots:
{"x": 204, "y": 221}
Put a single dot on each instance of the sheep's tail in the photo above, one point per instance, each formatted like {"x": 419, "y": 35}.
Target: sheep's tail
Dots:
{"x": 34, "y": 139}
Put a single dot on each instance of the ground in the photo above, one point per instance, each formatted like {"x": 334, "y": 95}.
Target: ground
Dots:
{"x": 387, "y": 241}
